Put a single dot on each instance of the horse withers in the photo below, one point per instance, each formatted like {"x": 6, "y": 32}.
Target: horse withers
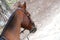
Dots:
{"x": 19, "y": 18}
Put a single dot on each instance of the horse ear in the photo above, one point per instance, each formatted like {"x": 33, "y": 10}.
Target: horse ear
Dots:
{"x": 19, "y": 4}
{"x": 24, "y": 5}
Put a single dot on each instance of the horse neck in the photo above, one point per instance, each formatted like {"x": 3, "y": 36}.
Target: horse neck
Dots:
{"x": 12, "y": 29}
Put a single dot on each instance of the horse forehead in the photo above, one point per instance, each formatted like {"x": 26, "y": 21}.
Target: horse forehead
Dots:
{"x": 22, "y": 13}
{"x": 26, "y": 19}
{"x": 19, "y": 12}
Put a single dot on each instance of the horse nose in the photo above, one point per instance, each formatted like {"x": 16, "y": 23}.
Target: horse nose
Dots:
{"x": 33, "y": 30}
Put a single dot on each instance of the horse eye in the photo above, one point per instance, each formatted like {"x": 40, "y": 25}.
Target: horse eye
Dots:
{"x": 27, "y": 13}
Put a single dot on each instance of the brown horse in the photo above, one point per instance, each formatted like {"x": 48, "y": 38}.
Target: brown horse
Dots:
{"x": 19, "y": 18}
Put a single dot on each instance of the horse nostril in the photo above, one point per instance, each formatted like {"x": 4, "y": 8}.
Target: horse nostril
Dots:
{"x": 33, "y": 30}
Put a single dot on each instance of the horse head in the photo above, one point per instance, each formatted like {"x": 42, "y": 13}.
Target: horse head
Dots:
{"x": 27, "y": 21}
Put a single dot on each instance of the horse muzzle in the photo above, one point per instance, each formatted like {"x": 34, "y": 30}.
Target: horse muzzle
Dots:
{"x": 33, "y": 30}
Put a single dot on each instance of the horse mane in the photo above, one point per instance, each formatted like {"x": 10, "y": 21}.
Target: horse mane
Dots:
{"x": 10, "y": 19}
{"x": 8, "y": 23}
